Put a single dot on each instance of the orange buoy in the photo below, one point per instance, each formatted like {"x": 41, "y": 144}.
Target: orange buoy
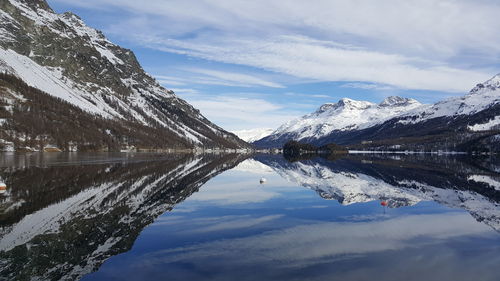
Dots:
{"x": 383, "y": 203}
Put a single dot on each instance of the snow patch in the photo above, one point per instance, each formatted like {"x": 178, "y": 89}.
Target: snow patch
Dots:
{"x": 47, "y": 80}
{"x": 495, "y": 183}
{"x": 486, "y": 126}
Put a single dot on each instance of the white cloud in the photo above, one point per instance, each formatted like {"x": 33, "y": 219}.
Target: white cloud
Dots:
{"x": 313, "y": 59}
{"x": 417, "y": 44}
{"x": 169, "y": 81}
{"x": 201, "y": 76}
{"x": 185, "y": 91}
{"x": 232, "y": 79}
{"x": 367, "y": 86}
{"x": 319, "y": 96}
{"x": 235, "y": 113}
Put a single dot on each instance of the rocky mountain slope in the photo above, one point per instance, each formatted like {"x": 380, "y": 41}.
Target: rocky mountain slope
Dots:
{"x": 456, "y": 123}
{"x": 61, "y": 56}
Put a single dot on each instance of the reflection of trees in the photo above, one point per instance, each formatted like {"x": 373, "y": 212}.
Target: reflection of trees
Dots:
{"x": 132, "y": 196}
{"x": 446, "y": 172}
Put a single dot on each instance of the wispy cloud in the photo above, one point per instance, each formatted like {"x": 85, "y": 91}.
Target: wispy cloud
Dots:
{"x": 169, "y": 81}
{"x": 185, "y": 91}
{"x": 319, "y": 96}
{"x": 448, "y": 49}
{"x": 236, "y": 113}
{"x": 232, "y": 79}
{"x": 203, "y": 76}
{"x": 368, "y": 86}
{"x": 313, "y": 59}
{"x": 427, "y": 49}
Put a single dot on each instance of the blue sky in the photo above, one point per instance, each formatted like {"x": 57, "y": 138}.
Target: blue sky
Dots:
{"x": 254, "y": 64}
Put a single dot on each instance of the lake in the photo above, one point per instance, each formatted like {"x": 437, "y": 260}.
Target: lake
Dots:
{"x": 109, "y": 216}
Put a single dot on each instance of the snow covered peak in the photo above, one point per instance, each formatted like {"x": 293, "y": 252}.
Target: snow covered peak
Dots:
{"x": 252, "y": 135}
{"x": 397, "y": 101}
{"x": 492, "y": 84}
{"x": 344, "y": 104}
{"x": 483, "y": 96}
{"x": 325, "y": 107}
{"x": 350, "y": 104}
{"x": 339, "y": 121}
{"x": 345, "y": 115}
{"x": 354, "y": 104}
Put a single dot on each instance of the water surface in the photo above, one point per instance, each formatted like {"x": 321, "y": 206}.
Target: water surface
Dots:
{"x": 207, "y": 217}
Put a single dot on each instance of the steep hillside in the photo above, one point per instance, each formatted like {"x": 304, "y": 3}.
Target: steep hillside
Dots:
{"x": 61, "y": 56}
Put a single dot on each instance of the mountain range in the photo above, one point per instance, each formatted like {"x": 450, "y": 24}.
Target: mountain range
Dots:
{"x": 470, "y": 122}
{"x": 96, "y": 95}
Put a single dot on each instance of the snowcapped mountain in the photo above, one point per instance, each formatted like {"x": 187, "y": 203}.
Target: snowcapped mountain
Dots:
{"x": 459, "y": 121}
{"x": 78, "y": 66}
{"x": 480, "y": 98}
{"x": 253, "y": 134}
{"x": 345, "y": 115}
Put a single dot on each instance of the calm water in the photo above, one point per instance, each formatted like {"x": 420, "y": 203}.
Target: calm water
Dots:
{"x": 186, "y": 217}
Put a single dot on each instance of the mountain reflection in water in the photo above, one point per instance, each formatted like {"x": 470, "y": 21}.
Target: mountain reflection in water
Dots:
{"x": 64, "y": 215}
{"x": 401, "y": 180}
{"x": 64, "y": 221}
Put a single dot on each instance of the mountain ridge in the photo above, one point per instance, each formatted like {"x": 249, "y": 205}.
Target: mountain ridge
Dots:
{"x": 60, "y": 55}
{"x": 474, "y": 116}
{"x": 345, "y": 115}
